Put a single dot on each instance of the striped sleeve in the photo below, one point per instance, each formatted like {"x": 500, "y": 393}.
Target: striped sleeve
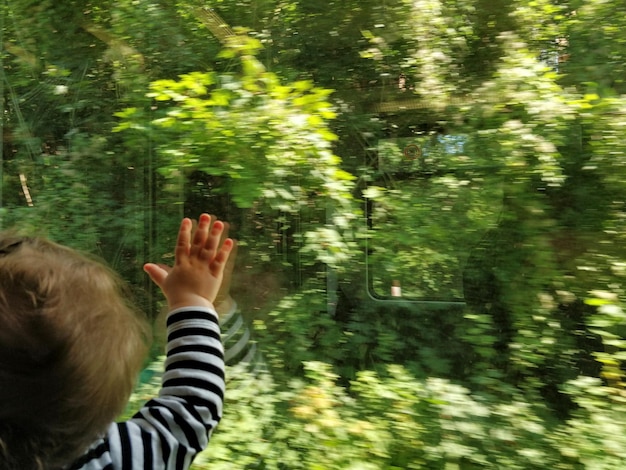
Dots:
{"x": 240, "y": 349}
{"x": 171, "y": 429}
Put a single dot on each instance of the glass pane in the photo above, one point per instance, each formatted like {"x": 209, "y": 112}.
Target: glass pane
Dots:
{"x": 429, "y": 199}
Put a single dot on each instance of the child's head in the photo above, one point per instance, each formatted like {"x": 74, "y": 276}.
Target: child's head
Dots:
{"x": 71, "y": 346}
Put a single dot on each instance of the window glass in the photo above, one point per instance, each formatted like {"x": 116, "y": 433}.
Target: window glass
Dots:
{"x": 429, "y": 199}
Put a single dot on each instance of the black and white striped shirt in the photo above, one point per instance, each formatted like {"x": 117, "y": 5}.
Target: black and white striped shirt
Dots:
{"x": 170, "y": 430}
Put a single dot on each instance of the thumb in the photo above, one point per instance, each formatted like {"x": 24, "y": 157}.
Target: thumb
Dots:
{"x": 156, "y": 273}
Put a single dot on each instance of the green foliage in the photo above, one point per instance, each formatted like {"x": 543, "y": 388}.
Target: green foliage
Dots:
{"x": 300, "y": 324}
{"x": 270, "y": 141}
{"x": 524, "y": 221}
{"x": 593, "y": 436}
{"x": 393, "y": 420}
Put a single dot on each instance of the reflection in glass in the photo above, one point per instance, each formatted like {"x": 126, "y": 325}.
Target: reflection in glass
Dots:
{"x": 438, "y": 204}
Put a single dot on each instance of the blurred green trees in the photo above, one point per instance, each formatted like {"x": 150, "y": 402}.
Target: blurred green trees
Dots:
{"x": 469, "y": 151}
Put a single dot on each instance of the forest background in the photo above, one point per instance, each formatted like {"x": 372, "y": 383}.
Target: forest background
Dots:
{"x": 465, "y": 151}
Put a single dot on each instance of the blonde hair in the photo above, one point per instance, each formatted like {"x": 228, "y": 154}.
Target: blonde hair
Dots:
{"x": 71, "y": 346}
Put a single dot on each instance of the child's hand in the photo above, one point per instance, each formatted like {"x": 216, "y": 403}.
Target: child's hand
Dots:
{"x": 199, "y": 267}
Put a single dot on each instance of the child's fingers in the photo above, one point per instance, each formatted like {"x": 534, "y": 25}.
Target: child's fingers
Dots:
{"x": 218, "y": 263}
{"x": 214, "y": 239}
{"x": 183, "y": 240}
{"x": 208, "y": 236}
{"x": 230, "y": 262}
{"x": 225, "y": 229}
{"x": 200, "y": 236}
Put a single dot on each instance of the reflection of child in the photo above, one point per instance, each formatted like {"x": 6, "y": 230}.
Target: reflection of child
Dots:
{"x": 71, "y": 346}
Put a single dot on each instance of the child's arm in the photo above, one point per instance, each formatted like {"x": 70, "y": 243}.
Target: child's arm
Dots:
{"x": 170, "y": 430}
{"x": 193, "y": 382}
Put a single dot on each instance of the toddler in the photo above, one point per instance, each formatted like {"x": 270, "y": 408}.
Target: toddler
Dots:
{"x": 71, "y": 346}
